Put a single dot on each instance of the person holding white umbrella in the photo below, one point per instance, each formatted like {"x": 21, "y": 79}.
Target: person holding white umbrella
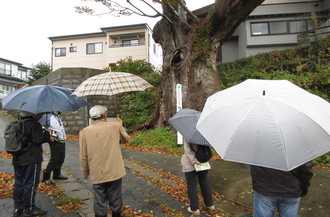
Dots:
{"x": 277, "y": 128}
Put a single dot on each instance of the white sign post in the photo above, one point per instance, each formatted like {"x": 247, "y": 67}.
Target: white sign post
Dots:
{"x": 178, "y": 107}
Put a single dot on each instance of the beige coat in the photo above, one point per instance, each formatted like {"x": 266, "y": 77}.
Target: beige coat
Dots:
{"x": 100, "y": 152}
{"x": 188, "y": 159}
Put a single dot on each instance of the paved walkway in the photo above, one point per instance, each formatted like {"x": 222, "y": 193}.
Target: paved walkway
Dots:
{"x": 231, "y": 180}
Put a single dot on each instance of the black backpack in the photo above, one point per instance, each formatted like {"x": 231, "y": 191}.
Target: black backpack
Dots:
{"x": 15, "y": 138}
{"x": 203, "y": 153}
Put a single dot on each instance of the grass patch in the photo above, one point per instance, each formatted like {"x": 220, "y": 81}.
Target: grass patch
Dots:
{"x": 161, "y": 140}
{"x": 69, "y": 204}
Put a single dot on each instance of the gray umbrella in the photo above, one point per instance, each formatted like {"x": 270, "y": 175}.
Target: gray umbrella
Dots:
{"x": 185, "y": 122}
{"x": 43, "y": 98}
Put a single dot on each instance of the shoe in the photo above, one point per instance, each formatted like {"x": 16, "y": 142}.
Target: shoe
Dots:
{"x": 36, "y": 211}
{"x": 211, "y": 208}
{"x": 57, "y": 174}
{"x": 116, "y": 214}
{"x": 17, "y": 212}
{"x": 60, "y": 177}
{"x": 196, "y": 212}
{"x": 48, "y": 182}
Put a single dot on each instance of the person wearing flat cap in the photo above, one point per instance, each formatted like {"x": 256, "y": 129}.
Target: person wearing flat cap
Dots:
{"x": 101, "y": 160}
{"x": 27, "y": 167}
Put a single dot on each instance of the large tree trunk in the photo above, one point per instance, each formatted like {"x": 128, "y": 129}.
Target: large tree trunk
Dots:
{"x": 191, "y": 52}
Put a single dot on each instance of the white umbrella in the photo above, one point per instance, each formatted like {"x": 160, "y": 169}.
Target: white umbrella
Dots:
{"x": 269, "y": 123}
{"x": 111, "y": 83}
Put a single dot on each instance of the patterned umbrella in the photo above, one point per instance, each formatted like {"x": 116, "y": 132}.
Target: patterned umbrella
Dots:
{"x": 111, "y": 83}
{"x": 185, "y": 121}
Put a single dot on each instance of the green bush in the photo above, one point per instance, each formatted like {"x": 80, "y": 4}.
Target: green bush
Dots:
{"x": 160, "y": 138}
{"x": 136, "y": 107}
{"x": 306, "y": 66}
{"x": 324, "y": 160}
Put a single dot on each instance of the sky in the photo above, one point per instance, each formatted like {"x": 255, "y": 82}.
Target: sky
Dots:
{"x": 26, "y": 25}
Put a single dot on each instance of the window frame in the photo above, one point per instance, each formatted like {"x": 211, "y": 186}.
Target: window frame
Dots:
{"x": 124, "y": 44}
{"x": 73, "y": 49}
{"x": 289, "y": 29}
{"x": 94, "y": 50}
{"x": 261, "y": 34}
{"x": 62, "y": 52}
{"x": 7, "y": 69}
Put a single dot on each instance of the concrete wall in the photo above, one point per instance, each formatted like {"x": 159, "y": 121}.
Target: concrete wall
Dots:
{"x": 230, "y": 45}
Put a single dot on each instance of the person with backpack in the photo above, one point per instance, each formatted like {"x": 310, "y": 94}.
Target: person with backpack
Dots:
{"x": 188, "y": 161}
{"x": 53, "y": 122}
{"x": 27, "y": 167}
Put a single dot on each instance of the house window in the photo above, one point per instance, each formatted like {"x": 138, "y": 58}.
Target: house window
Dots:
{"x": 155, "y": 48}
{"x": 60, "y": 52}
{"x": 297, "y": 26}
{"x": 94, "y": 48}
{"x": 278, "y": 28}
{"x": 73, "y": 49}
{"x": 133, "y": 42}
{"x": 5, "y": 69}
{"x": 259, "y": 28}
{"x": 311, "y": 25}
{"x": 281, "y": 27}
{"x": 22, "y": 74}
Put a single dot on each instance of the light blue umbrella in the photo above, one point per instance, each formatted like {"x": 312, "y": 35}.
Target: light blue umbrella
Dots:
{"x": 43, "y": 98}
{"x": 185, "y": 121}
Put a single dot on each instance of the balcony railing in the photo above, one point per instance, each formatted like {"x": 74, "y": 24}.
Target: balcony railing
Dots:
{"x": 125, "y": 45}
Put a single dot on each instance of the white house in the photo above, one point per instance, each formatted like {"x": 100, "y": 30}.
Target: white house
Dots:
{"x": 12, "y": 75}
{"x": 276, "y": 25}
{"x": 104, "y": 49}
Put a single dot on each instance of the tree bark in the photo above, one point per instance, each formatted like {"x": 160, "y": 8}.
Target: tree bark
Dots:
{"x": 192, "y": 51}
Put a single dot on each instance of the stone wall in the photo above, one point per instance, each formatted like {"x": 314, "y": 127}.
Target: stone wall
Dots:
{"x": 71, "y": 78}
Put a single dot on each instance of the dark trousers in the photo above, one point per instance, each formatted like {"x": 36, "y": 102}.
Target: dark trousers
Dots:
{"x": 191, "y": 178}
{"x": 26, "y": 183}
{"x": 57, "y": 156}
{"x": 108, "y": 191}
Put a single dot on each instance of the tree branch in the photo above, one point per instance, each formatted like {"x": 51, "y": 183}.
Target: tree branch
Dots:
{"x": 158, "y": 14}
{"x": 194, "y": 18}
{"x": 176, "y": 18}
{"x": 228, "y": 14}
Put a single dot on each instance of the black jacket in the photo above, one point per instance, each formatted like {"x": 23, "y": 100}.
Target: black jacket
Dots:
{"x": 271, "y": 182}
{"x": 36, "y": 136}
